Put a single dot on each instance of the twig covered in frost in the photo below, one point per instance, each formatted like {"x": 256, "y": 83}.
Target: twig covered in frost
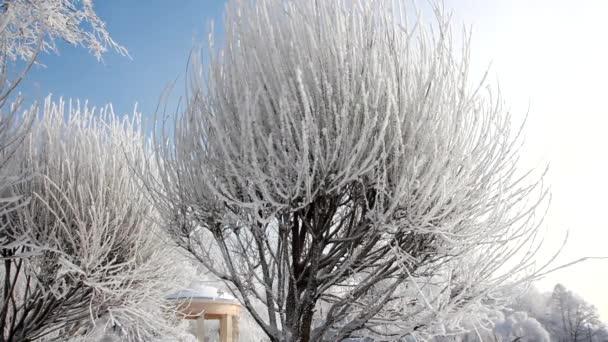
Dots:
{"x": 334, "y": 163}
{"x": 27, "y": 26}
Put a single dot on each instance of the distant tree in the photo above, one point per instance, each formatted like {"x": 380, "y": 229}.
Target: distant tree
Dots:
{"x": 334, "y": 163}
{"x": 518, "y": 326}
{"x": 571, "y": 318}
{"x": 506, "y": 326}
{"x": 532, "y": 301}
{"x": 560, "y": 316}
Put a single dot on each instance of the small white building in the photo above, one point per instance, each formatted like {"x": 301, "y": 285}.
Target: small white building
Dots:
{"x": 202, "y": 303}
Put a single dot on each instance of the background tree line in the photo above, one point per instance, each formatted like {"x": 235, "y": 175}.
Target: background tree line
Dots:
{"x": 557, "y": 316}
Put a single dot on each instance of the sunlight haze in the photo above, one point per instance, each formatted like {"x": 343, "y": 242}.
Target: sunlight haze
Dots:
{"x": 551, "y": 57}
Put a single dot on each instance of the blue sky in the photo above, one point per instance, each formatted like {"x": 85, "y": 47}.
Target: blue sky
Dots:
{"x": 159, "y": 35}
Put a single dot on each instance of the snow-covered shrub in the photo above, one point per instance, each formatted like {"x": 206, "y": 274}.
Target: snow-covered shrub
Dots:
{"x": 92, "y": 247}
{"x": 27, "y": 27}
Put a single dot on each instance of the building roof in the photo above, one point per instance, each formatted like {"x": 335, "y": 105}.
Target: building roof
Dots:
{"x": 202, "y": 292}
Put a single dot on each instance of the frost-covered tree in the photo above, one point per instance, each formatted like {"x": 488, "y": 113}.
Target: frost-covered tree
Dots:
{"x": 27, "y": 26}
{"x": 565, "y": 315}
{"x": 571, "y": 319}
{"x": 518, "y": 326}
{"x": 335, "y": 163}
{"x": 12, "y": 128}
{"x": 71, "y": 249}
{"x": 506, "y": 327}
{"x": 91, "y": 244}
{"x": 12, "y": 133}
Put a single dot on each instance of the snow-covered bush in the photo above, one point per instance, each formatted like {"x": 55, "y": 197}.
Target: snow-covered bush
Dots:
{"x": 92, "y": 247}
{"x": 27, "y": 27}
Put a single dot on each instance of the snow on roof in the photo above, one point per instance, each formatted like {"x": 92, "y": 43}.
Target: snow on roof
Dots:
{"x": 202, "y": 292}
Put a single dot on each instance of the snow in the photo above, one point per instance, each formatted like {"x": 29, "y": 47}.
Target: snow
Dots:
{"x": 202, "y": 292}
